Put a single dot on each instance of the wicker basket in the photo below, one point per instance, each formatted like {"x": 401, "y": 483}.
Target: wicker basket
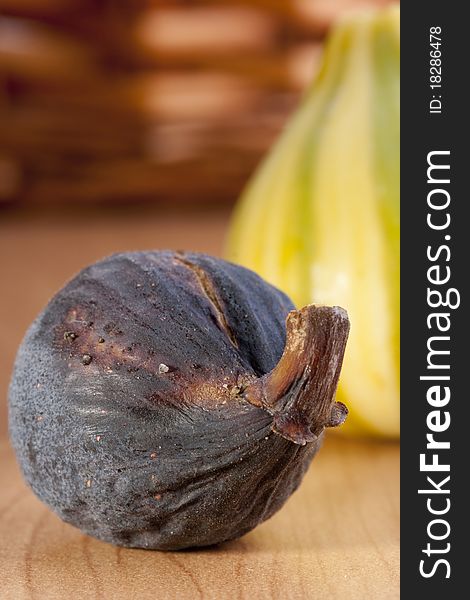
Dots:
{"x": 139, "y": 100}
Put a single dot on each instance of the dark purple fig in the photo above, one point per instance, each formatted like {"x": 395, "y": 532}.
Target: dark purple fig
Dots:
{"x": 158, "y": 403}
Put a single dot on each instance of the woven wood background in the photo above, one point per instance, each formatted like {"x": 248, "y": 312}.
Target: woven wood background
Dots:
{"x": 140, "y": 100}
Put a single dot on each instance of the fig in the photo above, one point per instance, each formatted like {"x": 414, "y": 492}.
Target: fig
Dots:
{"x": 169, "y": 400}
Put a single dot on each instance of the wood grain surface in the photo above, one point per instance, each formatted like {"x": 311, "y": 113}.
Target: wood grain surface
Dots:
{"x": 336, "y": 538}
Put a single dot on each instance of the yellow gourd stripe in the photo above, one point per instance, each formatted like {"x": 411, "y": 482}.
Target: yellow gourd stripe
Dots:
{"x": 320, "y": 219}
{"x": 286, "y": 251}
{"x": 264, "y": 235}
{"x": 350, "y": 255}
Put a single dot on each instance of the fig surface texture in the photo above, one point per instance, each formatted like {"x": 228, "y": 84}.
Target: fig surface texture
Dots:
{"x": 170, "y": 400}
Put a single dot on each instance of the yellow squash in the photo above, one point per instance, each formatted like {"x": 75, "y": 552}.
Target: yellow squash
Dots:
{"x": 320, "y": 218}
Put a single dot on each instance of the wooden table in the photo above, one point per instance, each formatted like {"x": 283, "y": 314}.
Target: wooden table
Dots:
{"x": 336, "y": 538}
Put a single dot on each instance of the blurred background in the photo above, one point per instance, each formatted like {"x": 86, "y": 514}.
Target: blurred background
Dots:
{"x": 135, "y": 124}
{"x": 107, "y": 102}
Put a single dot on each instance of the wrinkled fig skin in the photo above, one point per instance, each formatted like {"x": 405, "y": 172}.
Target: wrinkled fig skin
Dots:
{"x": 131, "y": 410}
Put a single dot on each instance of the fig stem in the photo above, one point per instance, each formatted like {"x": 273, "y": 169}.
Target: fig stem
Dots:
{"x": 299, "y": 392}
